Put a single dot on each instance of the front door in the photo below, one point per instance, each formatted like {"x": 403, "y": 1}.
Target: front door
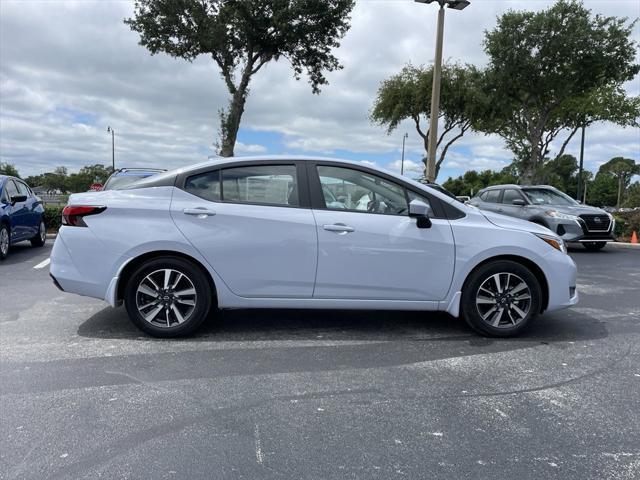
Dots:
{"x": 369, "y": 248}
{"x": 250, "y": 225}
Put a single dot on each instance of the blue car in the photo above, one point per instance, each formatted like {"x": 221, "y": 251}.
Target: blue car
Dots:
{"x": 21, "y": 215}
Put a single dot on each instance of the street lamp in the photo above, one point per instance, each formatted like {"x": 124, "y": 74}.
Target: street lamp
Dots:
{"x": 404, "y": 137}
{"x": 113, "y": 150}
{"x": 435, "y": 90}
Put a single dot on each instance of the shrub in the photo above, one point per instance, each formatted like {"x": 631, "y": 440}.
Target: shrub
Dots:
{"x": 626, "y": 224}
{"x": 53, "y": 216}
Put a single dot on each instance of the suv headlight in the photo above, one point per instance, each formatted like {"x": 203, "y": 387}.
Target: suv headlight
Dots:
{"x": 555, "y": 242}
{"x": 563, "y": 216}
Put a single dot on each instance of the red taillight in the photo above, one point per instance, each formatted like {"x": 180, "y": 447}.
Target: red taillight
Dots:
{"x": 72, "y": 215}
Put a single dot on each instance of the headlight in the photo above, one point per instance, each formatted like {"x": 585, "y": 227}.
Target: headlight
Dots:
{"x": 563, "y": 216}
{"x": 555, "y": 242}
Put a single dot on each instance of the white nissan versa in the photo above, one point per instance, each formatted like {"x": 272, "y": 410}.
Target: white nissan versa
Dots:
{"x": 304, "y": 233}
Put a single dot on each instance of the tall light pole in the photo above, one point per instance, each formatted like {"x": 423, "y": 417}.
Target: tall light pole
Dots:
{"x": 404, "y": 137}
{"x": 581, "y": 165}
{"x": 435, "y": 89}
{"x": 113, "y": 148}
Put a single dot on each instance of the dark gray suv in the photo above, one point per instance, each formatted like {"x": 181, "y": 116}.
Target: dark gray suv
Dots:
{"x": 549, "y": 207}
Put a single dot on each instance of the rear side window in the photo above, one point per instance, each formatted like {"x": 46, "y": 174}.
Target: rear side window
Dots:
{"x": 205, "y": 185}
{"x": 259, "y": 184}
{"x": 262, "y": 184}
{"x": 490, "y": 196}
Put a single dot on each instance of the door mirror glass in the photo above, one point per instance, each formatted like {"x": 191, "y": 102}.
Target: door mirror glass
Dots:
{"x": 519, "y": 202}
{"x": 18, "y": 198}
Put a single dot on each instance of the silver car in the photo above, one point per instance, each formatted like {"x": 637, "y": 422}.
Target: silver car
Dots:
{"x": 549, "y": 207}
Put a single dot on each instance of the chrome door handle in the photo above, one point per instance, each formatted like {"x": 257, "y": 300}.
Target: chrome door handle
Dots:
{"x": 340, "y": 228}
{"x": 199, "y": 212}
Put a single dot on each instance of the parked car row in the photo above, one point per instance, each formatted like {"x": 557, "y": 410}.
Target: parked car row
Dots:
{"x": 549, "y": 207}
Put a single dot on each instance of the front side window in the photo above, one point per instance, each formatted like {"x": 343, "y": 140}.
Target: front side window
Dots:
{"x": 354, "y": 190}
{"x": 262, "y": 184}
{"x": 510, "y": 195}
{"x": 12, "y": 190}
{"x": 23, "y": 189}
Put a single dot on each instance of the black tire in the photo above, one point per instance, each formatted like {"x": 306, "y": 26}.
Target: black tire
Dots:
{"x": 594, "y": 246}
{"x": 511, "y": 275}
{"x": 5, "y": 240}
{"x": 41, "y": 237}
{"x": 193, "y": 278}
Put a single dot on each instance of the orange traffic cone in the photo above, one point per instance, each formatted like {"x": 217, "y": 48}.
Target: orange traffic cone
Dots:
{"x": 634, "y": 237}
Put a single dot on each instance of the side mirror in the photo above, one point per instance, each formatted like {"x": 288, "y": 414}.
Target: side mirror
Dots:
{"x": 420, "y": 211}
{"x": 519, "y": 202}
{"x": 18, "y": 198}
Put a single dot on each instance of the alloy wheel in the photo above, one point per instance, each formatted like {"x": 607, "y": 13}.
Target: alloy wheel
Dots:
{"x": 503, "y": 300}
{"x": 4, "y": 241}
{"x": 166, "y": 298}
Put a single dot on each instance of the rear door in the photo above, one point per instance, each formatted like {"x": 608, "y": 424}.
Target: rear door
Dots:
{"x": 369, "y": 248}
{"x": 253, "y": 224}
{"x": 490, "y": 200}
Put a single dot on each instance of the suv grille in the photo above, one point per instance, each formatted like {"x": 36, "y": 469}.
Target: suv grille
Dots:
{"x": 596, "y": 223}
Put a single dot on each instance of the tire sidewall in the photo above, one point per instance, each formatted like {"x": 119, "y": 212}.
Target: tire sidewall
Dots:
{"x": 477, "y": 278}
{"x": 38, "y": 240}
{"x": 200, "y": 283}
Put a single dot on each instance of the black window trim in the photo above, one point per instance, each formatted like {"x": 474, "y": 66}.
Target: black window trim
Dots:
{"x": 302, "y": 182}
{"x": 317, "y": 198}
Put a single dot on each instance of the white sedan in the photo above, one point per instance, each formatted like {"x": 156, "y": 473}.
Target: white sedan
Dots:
{"x": 304, "y": 233}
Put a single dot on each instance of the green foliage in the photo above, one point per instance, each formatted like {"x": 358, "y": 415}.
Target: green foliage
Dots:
{"x": 471, "y": 181}
{"x": 407, "y": 96}
{"x": 60, "y": 180}
{"x": 53, "y": 217}
{"x": 8, "y": 169}
{"x": 553, "y": 70}
{"x": 626, "y": 224}
{"x": 561, "y": 172}
{"x": 602, "y": 191}
{"x": 633, "y": 196}
{"x": 622, "y": 169}
{"x": 242, "y": 36}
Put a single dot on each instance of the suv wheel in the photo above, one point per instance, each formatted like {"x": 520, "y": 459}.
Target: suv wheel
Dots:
{"x": 41, "y": 236}
{"x": 594, "y": 246}
{"x": 168, "y": 297}
{"x": 500, "y": 298}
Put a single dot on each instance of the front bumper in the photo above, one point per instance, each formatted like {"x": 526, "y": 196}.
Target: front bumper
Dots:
{"x": 578, "y": 231}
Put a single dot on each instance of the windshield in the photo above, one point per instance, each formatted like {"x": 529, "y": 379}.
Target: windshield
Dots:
{"x": 546, "y": 196}
{"x": 120, "y": 181}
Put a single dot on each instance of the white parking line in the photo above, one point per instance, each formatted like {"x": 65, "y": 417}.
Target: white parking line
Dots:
{"x": 43, "y": 264}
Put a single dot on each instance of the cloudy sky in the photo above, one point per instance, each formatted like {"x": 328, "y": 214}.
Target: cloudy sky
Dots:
{"x": 68, "y": 69}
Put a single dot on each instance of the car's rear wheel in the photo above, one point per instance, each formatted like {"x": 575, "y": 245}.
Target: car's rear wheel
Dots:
{"x": 168, "y": 297}
{"x": 4, "y": 241}
{"x": 594, "y": 246}
{"x": 41, "y": 236}
{"x": 500, "y": 298}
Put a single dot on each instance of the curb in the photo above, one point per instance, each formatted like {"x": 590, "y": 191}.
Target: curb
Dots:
{"x": 623, "y": 245}
{"x": 51, "y": 236}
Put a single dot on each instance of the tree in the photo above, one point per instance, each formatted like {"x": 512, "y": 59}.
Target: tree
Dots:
{"x": 561, "y": 172}
{"x": 622, "y": 169}
{"x": 241, "y": 37}
{"x": 471, "y": 181}
{"x": 407, "y": 96}
{"x": 633, "y": 196}
{"x": 602, "y": 190}
{"x": 544, "y": 64}
{"x": 8, "y": 169}
{"x": 81, "y": 181}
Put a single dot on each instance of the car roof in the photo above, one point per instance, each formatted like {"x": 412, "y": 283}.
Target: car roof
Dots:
{"x": 137, "y": 171}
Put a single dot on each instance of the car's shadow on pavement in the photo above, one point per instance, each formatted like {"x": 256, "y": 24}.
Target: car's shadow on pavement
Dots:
{"x": 348, "y": 325}
{"x": 23, "y": 251}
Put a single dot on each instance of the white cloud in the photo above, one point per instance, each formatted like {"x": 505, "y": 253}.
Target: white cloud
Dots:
{"x": 68, "y": 69}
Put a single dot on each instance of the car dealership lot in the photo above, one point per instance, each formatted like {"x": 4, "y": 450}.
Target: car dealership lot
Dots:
{"x": 297, "y": 394}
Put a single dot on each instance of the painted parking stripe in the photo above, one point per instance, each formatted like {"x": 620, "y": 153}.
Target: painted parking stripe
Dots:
{"x": 43, "y": 264}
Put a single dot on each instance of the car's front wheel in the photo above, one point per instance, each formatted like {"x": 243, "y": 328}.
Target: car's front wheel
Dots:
{"x": 500, "y": 298}
{"x": 4, "y": 241}
{"x": 594, "y": 246}
{"x": 168, "y": 297}
{"x": 41, "y": 236}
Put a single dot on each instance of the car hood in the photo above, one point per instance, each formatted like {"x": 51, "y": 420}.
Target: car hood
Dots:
{"x": 574, "y": 209}
{"x": 511, "y": 223}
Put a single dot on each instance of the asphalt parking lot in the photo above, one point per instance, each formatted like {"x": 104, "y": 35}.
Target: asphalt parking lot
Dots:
{"x": 319, "y": 395}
